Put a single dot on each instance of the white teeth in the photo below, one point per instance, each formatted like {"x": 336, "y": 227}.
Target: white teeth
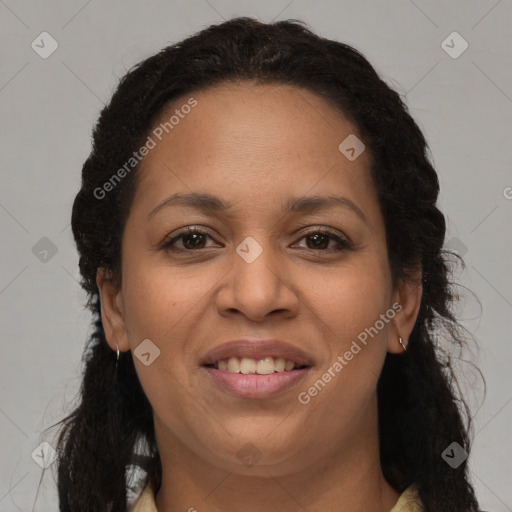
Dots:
{"x": 247, "y": 365}
{"x": 265, "y": 366}
{"x": 233, "y": 365}
{"x": 280, "y": 364}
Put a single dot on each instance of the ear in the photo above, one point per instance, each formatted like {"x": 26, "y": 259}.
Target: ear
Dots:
{"x": 112, "y": 313}
{"x": 408, "y": 296}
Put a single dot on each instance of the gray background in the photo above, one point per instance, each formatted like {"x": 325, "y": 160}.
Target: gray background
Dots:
{"x": 48, "y": 107}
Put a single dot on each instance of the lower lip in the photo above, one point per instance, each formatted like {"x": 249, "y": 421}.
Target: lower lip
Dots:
{"x": 255, "y": 385}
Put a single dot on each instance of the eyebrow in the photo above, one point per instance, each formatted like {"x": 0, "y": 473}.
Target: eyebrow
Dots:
{"x": 304, "y": 204}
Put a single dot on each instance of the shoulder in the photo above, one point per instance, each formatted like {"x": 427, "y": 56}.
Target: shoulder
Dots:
{"x": 409, "y": 501}
{"x": 146, "y": 500}
{"x": 140, "y": 491}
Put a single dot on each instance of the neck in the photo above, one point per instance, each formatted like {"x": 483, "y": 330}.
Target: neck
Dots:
{"x": 348, "y": 479}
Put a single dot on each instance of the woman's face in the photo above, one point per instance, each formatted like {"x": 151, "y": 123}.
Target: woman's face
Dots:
{"x": 261, "y": 269}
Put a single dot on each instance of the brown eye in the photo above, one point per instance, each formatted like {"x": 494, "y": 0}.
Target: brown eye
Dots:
{"x": 191, "y": 238}
{"x": 320, "y": 241}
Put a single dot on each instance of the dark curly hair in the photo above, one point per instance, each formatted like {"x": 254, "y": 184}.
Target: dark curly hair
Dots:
{"x": 421, "y": 410}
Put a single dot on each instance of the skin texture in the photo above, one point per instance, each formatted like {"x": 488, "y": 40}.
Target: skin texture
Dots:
{"x": 255, "y": 146}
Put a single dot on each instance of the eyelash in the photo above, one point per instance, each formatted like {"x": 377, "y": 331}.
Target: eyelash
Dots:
{"x": 343, "y": 244}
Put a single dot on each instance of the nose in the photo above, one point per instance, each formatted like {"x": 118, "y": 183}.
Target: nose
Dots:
{"x": 257, "y": 288}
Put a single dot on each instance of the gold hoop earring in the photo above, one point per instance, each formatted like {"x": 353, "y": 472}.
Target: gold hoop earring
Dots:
{"x": 402, "y": 343}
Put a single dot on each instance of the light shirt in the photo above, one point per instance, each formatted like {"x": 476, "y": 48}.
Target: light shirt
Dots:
{"x": 409, "y": 501}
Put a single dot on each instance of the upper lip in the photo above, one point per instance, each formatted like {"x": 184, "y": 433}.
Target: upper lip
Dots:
{"x": 257, "y": 349}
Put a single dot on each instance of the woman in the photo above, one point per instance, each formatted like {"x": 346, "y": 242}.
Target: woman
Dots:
{"x": 260, "y": 243}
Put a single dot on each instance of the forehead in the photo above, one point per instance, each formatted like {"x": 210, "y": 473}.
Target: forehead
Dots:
{"x": 246, "y": 115}
{"x": 249, "y": 138}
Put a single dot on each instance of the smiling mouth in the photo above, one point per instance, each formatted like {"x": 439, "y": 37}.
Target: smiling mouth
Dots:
{"x": 262, "y": 366}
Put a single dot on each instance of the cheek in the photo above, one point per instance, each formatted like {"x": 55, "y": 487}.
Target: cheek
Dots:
{"x": 349, "y": 299}
{"x": 157, "y": 301}
{"x": 349, "y": 305}
{"x": 162, "y": 305}
{"x": 346, "y": 380}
